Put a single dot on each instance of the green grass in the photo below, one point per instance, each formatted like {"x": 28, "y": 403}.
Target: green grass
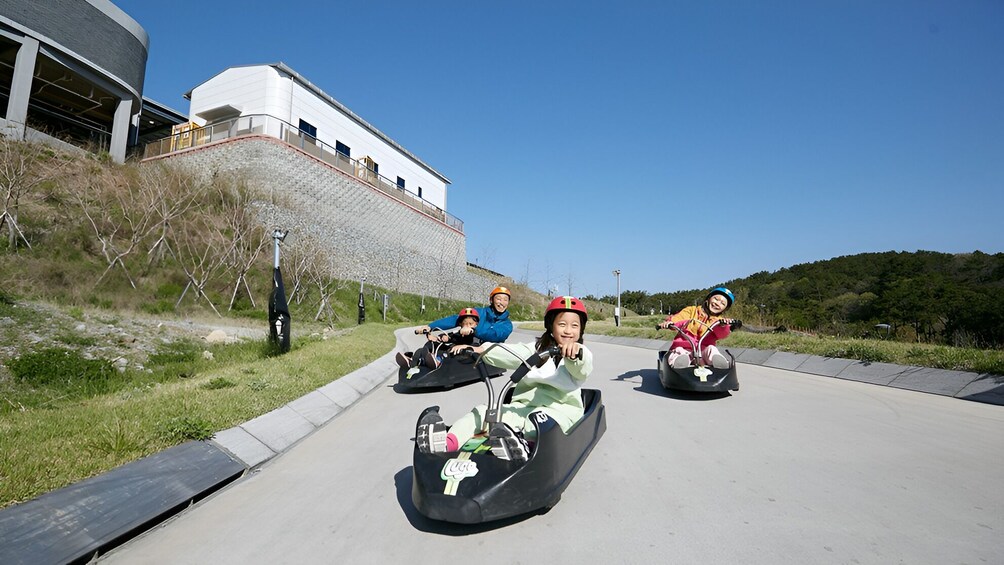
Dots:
{"x": 185, "y": 397}
{"x": 869, "y": 350}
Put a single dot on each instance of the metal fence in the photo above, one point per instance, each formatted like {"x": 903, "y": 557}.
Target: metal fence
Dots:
{"x": 262, "y": 124}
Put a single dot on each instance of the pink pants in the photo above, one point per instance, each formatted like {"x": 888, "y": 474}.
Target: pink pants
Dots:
{"x": 707, "y": 353}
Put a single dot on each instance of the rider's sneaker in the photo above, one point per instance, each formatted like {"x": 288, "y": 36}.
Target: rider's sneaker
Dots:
{"x": 431, "y": 436}
{"x": 719, "y": 361}
{"x": 403, "y": 360}
{"x": 681, "y": 362}
{"x": 430, "y": 360}
{"x": 506, "y": 444}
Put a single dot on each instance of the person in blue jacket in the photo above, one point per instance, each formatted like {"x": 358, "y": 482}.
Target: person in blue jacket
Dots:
{"x": 494, "y": 324}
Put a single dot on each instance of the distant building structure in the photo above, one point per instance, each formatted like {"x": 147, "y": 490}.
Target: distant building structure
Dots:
{"x": 71, "y": 74}
{"x": 261, "y": 97}
{"x": 375, "y": 209}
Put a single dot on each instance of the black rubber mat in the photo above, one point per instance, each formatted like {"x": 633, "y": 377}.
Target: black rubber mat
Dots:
{"x": 73, "y": 523}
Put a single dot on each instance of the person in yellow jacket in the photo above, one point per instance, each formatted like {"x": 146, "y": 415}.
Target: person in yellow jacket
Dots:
{"x": 695, "y": 321}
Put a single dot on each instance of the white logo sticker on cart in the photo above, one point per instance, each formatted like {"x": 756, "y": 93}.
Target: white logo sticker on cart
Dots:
{"x": 459, "y": 469}
{"x": 702, "y": 373}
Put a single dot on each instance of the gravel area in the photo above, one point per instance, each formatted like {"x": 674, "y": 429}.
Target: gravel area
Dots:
{"x": 125, "y": 339}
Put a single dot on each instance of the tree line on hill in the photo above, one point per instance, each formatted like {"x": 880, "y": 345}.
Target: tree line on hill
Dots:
{"x": 951, "y": 299}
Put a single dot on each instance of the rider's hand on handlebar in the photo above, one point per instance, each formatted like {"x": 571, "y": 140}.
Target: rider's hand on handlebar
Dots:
{"x": 466, "y": 331}
{"x": 423, "y": 330}
{"x": 570, "y": 350}
{"x": 666, "y": 324}
{"x": 735, "y": 324}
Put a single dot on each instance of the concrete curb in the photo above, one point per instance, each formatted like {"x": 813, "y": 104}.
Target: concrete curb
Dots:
{"x": 256, "y": 441}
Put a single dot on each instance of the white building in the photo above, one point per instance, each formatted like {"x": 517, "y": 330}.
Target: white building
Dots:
{"x": 258, "y": 97}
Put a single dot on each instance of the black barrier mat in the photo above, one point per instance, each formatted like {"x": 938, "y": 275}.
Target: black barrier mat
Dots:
{"x": 73, "y": 523}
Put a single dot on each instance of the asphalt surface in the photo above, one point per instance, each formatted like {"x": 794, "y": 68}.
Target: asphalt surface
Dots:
{"x": 792, "y": 468}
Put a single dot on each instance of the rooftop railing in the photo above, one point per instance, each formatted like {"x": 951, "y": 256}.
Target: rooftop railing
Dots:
{"x": 262, "y": 124}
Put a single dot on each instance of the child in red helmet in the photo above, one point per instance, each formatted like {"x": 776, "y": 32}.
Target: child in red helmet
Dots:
{"x": 553, "y": 387}
{"x": 695, "y": 321}
{"x": 494, "y": 324}
{"x": 440, "y": 344}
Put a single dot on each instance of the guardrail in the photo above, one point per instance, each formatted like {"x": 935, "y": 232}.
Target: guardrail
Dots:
{"x": 263, "y": 124}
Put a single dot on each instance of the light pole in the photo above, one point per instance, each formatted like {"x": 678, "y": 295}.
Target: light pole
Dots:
{"x": 362, "y": 302}
{"x": 278, "y": 309}
{"x": 617, "y": 310}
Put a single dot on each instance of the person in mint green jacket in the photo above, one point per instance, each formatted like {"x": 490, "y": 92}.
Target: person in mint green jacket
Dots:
{"x": 553, "y": 387}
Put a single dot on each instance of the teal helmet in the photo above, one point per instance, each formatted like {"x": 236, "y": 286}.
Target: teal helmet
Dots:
{"x": 729, "y": 297}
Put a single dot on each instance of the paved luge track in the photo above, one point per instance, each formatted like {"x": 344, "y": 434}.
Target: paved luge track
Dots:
{"x": 792, "y": 468}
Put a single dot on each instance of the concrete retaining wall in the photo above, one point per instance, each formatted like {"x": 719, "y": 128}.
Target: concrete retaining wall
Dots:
{"x": 366, "y": 232}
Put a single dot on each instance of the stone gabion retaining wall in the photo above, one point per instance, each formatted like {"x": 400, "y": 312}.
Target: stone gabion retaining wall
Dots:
{"x": 365, "y": 232}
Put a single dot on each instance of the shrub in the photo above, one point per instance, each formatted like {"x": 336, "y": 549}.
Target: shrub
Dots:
{"x": 118, "y": 439}
{"x": 218, "y": 383}
{"x": 174, "y": 352}
{"x": 159, "y": 306}
{"x": 65, "y": 370}
{"x": 184, "y": 428}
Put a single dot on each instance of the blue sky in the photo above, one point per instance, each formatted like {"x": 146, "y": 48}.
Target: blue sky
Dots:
{"x": 685, "y": 143}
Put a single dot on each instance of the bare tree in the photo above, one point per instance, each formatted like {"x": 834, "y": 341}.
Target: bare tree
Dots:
{"x": 321, "y": 275}
{"x": 24, "y": 166}
{"x": 203, "y": 249}
{"x": 120, "y": 217}
{"x": 248, "y": 235}
{"x": 487, "y": 258}
{"x": 570, "y": 280}
{"x": 546, "y": 281}
{"x": 171, "y": 194}
{"x": 525, "y": 277}
{"x": 300, "y": 258}
{"x": 200, "y": 263}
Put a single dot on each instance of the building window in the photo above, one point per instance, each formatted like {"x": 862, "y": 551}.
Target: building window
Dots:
{"x": 343, "y": 149}
{"x": 308, "y": 129}
{"x": 400, "y": 183}
{"x": 419, "y": 192}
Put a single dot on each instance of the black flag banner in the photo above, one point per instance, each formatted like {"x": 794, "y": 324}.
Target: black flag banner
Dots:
{"x": 278, "y": 313}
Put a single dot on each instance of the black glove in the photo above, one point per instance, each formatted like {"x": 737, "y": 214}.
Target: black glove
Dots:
{"x": 736, "y": 324}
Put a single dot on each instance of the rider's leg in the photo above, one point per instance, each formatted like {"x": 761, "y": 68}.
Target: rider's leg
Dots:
{"x": 679, "y": 358}
{"x": 715, "y": 357}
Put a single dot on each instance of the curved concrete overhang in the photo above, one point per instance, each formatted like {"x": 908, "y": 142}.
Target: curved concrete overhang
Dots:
{"x": 92, "y": 34}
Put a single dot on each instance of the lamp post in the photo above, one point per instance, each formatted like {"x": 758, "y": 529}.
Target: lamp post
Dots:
{"x": 617, "y": 310}
{"x": 362, "y": 302}
{"x": 278, "y": 309}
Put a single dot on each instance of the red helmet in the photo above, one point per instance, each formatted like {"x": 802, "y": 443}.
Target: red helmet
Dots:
{"x": 468, "y": 312}
{"x": 564, "y": 304}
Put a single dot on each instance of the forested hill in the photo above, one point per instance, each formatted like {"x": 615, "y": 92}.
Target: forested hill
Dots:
{"x": 934, "y": 297}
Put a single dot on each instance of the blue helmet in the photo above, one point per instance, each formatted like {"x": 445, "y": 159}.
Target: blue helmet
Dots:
{"x": 724, "y": 292}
